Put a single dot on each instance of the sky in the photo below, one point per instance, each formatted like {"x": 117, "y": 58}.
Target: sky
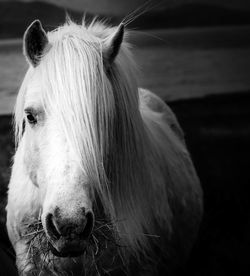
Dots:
{"x": 123, "y": 7}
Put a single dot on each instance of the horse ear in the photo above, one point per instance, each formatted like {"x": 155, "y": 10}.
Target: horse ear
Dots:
{"x": 34, "y": 42}
{"x": 112, "y": 45}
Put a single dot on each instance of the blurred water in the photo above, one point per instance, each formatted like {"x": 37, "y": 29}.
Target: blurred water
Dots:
{"x": 177, "y": 64}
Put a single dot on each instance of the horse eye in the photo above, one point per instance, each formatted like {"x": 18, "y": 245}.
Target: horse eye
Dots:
{"x": 31, "y": 118}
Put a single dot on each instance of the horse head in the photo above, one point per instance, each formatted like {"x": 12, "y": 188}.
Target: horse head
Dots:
{"x": 60, "y": 148}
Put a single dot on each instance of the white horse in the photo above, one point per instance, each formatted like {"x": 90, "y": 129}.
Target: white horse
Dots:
{"x": 102, "y": 181}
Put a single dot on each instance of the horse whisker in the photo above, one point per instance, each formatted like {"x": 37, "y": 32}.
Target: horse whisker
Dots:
{"x": 33, "y": 233}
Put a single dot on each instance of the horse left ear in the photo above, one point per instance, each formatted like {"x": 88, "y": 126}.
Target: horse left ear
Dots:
{"x": 34, "y": 42}
{"x": 112, "y": 45}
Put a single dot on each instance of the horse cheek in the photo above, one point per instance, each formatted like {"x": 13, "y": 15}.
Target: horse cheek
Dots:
{"x": 21, "y": 196}
{"x": 31, "y": 161}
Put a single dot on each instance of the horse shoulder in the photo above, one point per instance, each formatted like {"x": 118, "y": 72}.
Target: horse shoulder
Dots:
{"x": 150, "y": 101}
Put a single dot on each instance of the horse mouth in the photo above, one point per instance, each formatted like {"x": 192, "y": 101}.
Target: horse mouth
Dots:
{"x": 66, "y": 253}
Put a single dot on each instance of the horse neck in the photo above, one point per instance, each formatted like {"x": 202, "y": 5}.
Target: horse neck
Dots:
{"x": 129, "y": 172}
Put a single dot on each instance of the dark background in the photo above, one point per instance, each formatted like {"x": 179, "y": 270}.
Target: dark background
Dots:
{"x": 17, "y": 15}
{"x": 196, "y": 55}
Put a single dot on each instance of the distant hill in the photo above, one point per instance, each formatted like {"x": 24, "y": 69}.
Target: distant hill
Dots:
{"x": 16, "y": 16}
{"x": 191, "y": 15}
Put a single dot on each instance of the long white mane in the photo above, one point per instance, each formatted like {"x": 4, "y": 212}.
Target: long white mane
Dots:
{"x": 135, "y": 161}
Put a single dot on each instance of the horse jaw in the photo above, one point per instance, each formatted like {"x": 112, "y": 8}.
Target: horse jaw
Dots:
{"x": 23, "y": 208}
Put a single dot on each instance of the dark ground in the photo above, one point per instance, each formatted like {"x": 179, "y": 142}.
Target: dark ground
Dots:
{"x": 218, "y": 135}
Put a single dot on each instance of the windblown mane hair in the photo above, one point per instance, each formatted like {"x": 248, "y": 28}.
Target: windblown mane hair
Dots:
{"x": 132, "y": 161}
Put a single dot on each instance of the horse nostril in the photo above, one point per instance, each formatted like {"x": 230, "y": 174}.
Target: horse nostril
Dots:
{"x": 51, "y": 228}
{"x": 89, "y": 217}
{"x": 57, "y": 227}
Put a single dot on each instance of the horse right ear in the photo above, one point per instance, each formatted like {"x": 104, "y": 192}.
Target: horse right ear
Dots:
{"x": 34, "y": 42}
{"x": 112, "y": 46}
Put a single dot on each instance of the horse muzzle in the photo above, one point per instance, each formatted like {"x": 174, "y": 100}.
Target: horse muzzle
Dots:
{"x": 68, "y": 236}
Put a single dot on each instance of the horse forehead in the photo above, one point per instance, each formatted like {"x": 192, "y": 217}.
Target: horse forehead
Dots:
{"x": 34, "y": 90}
